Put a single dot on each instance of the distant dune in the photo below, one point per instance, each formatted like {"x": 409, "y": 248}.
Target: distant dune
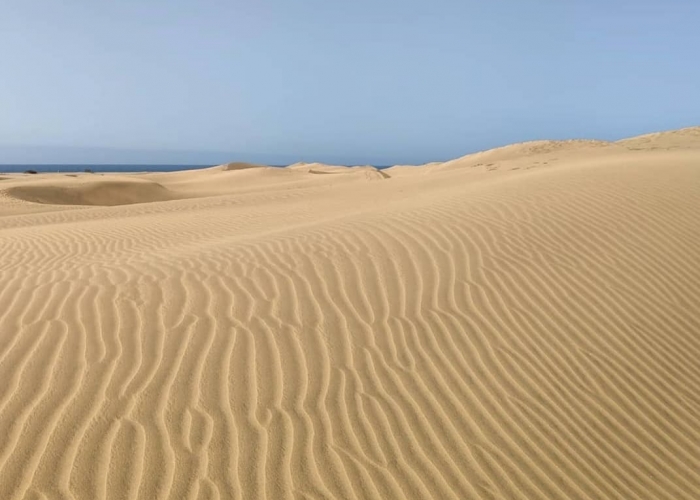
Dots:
{"x": 520, "y": 323}
{"x": 239, "y": 166}
{"x": 89, "y": 190}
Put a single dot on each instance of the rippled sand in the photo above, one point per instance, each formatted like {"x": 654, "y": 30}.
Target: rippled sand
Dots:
{"x": 522, "y": 323}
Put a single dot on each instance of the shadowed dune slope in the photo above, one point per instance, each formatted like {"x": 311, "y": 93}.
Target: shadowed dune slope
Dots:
{"x": 239, "y": 166}
{"x": 92, "y": 191}
{"x": 528, "y": 334}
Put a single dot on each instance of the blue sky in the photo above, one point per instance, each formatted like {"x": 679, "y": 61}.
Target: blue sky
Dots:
{"x": 381, "y": 81}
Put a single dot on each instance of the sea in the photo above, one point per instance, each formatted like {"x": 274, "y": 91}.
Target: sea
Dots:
{"x": 72, "y": 168}
{"x": 59, "y": 168}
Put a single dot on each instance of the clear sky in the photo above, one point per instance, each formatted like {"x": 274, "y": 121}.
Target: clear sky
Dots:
{"x": 363, "y": 81}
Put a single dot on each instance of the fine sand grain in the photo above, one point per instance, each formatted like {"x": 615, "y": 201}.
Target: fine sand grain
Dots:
{"x": 521, "y": 323}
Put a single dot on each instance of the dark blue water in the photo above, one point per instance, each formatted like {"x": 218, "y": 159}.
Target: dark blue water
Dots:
{"x": 54, "y": 168}
{"x": 98, "y": 168}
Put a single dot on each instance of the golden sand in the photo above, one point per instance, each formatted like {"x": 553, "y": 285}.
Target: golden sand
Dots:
{"x": 522, "y": 323}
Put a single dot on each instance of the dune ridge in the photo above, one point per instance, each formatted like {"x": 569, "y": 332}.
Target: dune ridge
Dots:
{"x": 685, "y": 138}
{"x": 448, "y": 333}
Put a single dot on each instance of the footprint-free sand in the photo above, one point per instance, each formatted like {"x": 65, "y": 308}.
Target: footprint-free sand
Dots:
{"x": 521, "y": 323}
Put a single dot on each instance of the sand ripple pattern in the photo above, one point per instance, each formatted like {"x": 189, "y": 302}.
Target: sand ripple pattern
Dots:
{"x": 531, "y": 335}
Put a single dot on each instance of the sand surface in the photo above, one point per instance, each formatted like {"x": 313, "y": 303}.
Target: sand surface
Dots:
{"x": 522, "y": 323}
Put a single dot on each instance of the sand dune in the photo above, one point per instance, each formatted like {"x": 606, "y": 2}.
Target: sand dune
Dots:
{"x": 527, "y": 329}
{"x": 239, "y": 166}
{"x": 366, "y": 171}
{"x": 687, "y": 138}
{"x": 90, "y": 190}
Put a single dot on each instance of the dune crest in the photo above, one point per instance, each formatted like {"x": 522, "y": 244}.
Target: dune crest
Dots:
{"x": 686, "y": 138}
{"x": 523, "y": 330}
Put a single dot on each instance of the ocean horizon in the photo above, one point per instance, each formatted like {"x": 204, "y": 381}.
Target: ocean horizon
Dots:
{"x": 109, "y": 168}
{"x": 101, "y": 168}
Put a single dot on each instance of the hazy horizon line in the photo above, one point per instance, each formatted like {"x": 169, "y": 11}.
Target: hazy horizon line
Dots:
{"x": 27, "y": 154}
